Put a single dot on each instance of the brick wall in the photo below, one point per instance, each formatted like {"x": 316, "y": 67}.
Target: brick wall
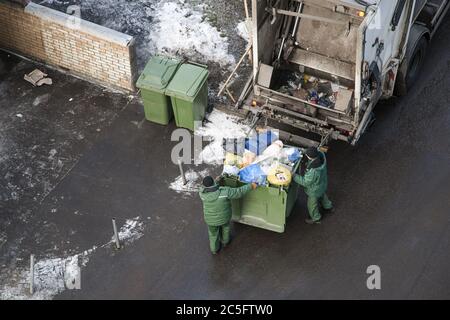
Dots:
{"x": 80, "y": 47}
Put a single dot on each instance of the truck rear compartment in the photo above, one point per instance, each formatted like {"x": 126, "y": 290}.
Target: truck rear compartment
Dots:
{"x": 313, "y": 69}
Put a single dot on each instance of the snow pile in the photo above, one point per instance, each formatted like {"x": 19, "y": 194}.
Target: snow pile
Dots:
{"x": 242, "y": 30}
{"x": 131, "y": 231}
{"x": 220, "y": 126}
{"x": 50, "y": 278}
{"x": 54, "y": 275}
{"x": 182, "y": 30}
{"x": 193, "y": 179}
{"x": 159, "y": 26}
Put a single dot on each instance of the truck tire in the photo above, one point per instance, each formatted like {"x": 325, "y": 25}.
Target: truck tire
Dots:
{"x": 410, "y": 69}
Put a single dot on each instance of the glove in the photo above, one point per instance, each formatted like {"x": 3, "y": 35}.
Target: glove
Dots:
{"x": 219, "y": 180}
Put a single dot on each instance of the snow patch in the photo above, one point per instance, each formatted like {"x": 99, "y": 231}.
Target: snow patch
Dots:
{"x": 159, "y": 26}
{"x": 220, "y": 126}
{"x": 50, "y": 278}
{"x": 193, "y": 182}
{"x": 54, "y": 275}
{"x": 182, "y": 30}
{"x": 131, "y": 231}
{"x": 242, "y": 30}
{"x": 43, "y": 99}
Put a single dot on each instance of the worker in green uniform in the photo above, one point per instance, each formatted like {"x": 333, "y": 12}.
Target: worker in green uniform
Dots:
{"x": 315, "y": 182}
{"x": 217, "y": 210}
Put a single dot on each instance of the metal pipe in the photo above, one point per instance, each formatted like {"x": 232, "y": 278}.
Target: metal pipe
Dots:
{"x": 183, "y": 176}
{"x": 230, "y": 95}
{"x": 234, "y": 70}
{"x": 32, "y": 274}
{"x": 297, "y": 20}
{"x": 244, "y": 93}
{"x": 255, "y": 36}
{"x": 276, "y": 93}
{"x": 116, "y": 235}
{"x": 308, "y": 16}
{"x": 247, "y": 15}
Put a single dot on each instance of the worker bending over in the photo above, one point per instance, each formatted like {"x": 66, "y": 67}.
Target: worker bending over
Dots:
{"x": 315, "y": 183}
{"x": 217, "y": 210}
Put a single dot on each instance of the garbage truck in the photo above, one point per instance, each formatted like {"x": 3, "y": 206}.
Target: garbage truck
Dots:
{"x": 321, "y": 66}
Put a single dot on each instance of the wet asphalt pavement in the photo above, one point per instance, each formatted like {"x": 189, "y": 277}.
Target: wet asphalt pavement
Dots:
{"x": 391, "y": 195}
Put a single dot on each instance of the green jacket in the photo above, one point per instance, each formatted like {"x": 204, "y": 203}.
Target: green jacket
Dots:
{"x": 315, "y": 180}
{"x": 217, "y": 204}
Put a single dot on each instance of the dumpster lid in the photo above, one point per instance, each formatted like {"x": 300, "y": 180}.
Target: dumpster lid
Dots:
{"x": 187, "y": 82}
{"x": 157, "y": 73}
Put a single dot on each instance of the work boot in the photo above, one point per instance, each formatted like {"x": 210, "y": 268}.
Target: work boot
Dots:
{"x": 311, "y": 221}
{"x": 217, "y": 251}
{"x": 224, "y": 245}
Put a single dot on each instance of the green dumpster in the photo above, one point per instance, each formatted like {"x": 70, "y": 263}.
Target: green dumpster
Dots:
{"x": 153, "y": 83}
{"x": 189, "y": 94}
{"x": 266, "y": 207}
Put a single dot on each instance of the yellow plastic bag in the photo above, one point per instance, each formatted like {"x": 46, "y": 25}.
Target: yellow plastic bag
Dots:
{"x": 248, "y": 158}
{"x": 280, "y": 176}
{"x": 233, "y": 160}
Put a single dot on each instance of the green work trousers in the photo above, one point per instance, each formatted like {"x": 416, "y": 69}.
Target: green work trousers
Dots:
{"x": 313, "y": 206}
{"x": 218, "y": 235}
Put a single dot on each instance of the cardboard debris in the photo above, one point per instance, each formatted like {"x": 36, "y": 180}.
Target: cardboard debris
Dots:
{"x": 301, "y": 94}
{"x": 343, "y": 100}
{"x": 37, "y": 78}
{"x": 265, "y": 75}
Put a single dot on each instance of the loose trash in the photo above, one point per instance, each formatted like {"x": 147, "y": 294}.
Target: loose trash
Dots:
{"x": 253, "y": 174}
{"x": 248, "y": 158}
{"x": 321, "y": 92}
{"x": 273, "y": 166}
{"x": 293, "y": 154}
{"x": 274, "y": 150}
{"x": 258, "y": 143}
{"x": 234, "y": 160}
{"x": 230, "y": 170}
{"x": 37, "y": 78}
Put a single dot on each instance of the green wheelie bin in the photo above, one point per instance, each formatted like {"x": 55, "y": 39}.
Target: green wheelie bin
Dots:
{"x": 189, "y": 94}
{"x": 153, "y": 83}
{"x": 267, "y": 207}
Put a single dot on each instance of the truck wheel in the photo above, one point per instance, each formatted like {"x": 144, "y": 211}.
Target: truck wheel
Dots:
{"x": 407, "y": 75}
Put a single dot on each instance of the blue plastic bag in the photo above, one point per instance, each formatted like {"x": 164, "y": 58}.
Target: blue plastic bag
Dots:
{"x": 293, "y": 154}
{"x": 257, "y": 144}
{"x": 253, "y": 174}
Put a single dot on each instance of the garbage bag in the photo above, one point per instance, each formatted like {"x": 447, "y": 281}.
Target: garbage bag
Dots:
{"x": 233, "y": 160}
{"x": 293, "y": 154}
{"x": 253, "y": 174}
{"x": 248, "y": 158}
{"x": 257, "y": 144}
{"x": 230, "y": 170}
{"x": 274, "y": 150}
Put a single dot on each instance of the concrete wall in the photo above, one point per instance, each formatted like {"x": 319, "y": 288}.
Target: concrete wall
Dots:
{"x": 80, "y": 47}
